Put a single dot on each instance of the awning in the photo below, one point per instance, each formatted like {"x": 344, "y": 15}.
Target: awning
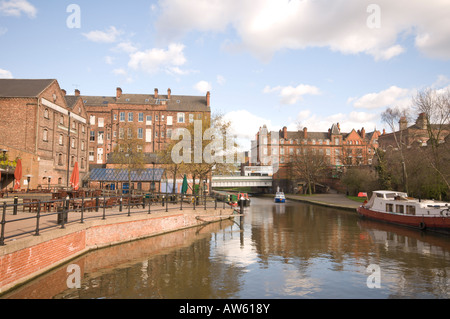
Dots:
{"x": 121, "y": 175}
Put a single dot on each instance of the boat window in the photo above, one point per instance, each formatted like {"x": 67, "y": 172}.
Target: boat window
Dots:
{"x": 390, "y": 195}
{"x": 390, "y": 208}
{"x": 379, "y": 195}
{"x": 399, "y": 209}
{"x": 410, "y": 209}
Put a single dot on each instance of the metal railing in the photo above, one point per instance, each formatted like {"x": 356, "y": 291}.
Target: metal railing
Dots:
{"x": 73, "y": 210}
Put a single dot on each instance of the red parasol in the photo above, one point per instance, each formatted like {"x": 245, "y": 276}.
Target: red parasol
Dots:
{"x": 75, "y": 178}
{"x": 18, "y": 174}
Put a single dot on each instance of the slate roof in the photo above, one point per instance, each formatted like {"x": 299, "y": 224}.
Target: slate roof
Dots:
{"x": 121, "y": 175}
{"x": 175, "y": 103}
{"x": 23, "y": 87}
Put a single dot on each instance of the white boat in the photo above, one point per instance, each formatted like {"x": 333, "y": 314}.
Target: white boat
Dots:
{"x": 398, "y": 208}
{"x": 279, "y": 197}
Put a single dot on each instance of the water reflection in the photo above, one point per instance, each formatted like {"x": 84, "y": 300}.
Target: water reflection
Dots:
{"x": 287, "y": 250}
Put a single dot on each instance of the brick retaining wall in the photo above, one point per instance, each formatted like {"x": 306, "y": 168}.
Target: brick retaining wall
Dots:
{"x": 24, "y": 259}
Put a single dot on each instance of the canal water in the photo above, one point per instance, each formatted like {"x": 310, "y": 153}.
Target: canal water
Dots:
{"x": 291, "y": 250}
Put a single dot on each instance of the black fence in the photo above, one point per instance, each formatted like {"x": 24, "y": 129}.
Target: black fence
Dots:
{"x": 46, "y": 214}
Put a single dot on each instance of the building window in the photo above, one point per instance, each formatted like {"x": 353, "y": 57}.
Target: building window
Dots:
{"x": 336, "y": 141}
{"x": 92, "y": 136}
{"x": 148, "y": 120}
{"x": 61, "y": 119}
{"x": 191, "y": 118}
{"x": 101, "y": 135}
{"x": 121, "y": 133}
{"x": 101, "y": 122}
{"x": 180, "y": 117}
{"x": 73, "y": 143}
{"x": 92, "y": 119}
{"x": 91, "y": 156}
{"x": 169, "y": 133}
{"x": 130, "y": 116}
{"x": 83, "y": 129}
{"x": 61, "y": 139}
{"x": 162, "y": 118}
{"x": 156, "y": 118}
{"x": 140, "y": 133}
{"x": 72, "y": 161}
{"x": 82, "y": 163}
{"x": 169, "y": 120}
{"x": 45, "y": 136}
{"x": 82, "y": 145}
{"x": 130, "y": 133}
{"x": 60, "y": 161}
{"x": 122, "y": 116}
{"x": 46, "y": 113}
{"x": 115, "y": 117}
{"x": 141, "y": 117}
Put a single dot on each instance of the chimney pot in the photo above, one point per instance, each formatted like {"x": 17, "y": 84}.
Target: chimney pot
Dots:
{"x": 77, "y": 92}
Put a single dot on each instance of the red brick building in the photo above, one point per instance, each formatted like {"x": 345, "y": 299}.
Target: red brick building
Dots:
{"x": 339, "y": 149}
{"x": 47, "y": 129}
{"x": 153, "y": 116}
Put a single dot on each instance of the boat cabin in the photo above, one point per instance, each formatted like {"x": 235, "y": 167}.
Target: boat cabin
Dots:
{"x": 399, "y": 203}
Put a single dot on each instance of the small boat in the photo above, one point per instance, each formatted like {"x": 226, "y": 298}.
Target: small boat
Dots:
{"x": 279, "y": 197}
{"x": 397, "y": 208}
{"x": 244, "y": 197}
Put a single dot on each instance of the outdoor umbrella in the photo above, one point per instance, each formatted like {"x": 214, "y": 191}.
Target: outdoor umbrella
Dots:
{"x": 18, "y": 174}
{"x": 184, "y": 187}
{"x": 75, "y": 178}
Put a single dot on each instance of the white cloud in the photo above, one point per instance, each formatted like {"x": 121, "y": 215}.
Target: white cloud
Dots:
{"x": 220, "y": 79}
{"x": 3, "y": 30}
{"x": 127, "y": 47}
{"x": 5, "y": 74}
{"x": 203, "y": 86}
{"x": 109, "y": 59}
{"x": 122, "y": 72}
{"x": 391, "y": 97}
{"x": 108, "y": 36}
{"x": 155, "y": 60}
{"x": 266, "y": 26}
{"x": 17, "y": 7}
{"x": 290, "y": 95}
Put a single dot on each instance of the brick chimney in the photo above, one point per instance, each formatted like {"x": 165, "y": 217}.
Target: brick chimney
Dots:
{"x": 384, "y": 131}
{"x": 403, "y": 123}
{"x": 422, "y": 121}
{"x": 169, "y": 93}
{"x": 285, "y": 132}
{"x": 118, "y": 93}
{"x": 156, "y": 93}
{"x": 305, "y": 132}
{"x": 208, "y": 99}
{"x": 363, "y": 133}
{"x": 63, "y": 92}
{"x": 77, "y": 92}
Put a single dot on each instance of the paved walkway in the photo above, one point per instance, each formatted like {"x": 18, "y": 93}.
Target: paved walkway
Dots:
{"x": 330, "y": 200}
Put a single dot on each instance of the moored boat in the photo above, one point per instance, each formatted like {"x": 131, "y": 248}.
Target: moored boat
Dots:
{"x": 279, "y": 197}
{"x": 397, "y": 208}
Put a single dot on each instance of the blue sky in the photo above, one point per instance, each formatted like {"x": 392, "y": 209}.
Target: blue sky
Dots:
{"x": 281, "y": 63}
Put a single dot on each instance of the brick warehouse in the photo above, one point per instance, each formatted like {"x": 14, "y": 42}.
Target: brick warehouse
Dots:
{"x": 340, "y": 149}
{"x": 34, "y": 125}
{"x": 154, "y": 116}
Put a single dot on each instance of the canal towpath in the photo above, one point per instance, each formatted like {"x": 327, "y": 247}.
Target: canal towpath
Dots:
{"x": 330, "y": 200}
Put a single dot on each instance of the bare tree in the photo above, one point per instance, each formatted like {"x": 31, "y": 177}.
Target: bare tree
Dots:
{"x": 309, "y": 165}
{"x": 128, "y": 153}
{"x": 391, "y": 117}
{"x": 434, "y": 106}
